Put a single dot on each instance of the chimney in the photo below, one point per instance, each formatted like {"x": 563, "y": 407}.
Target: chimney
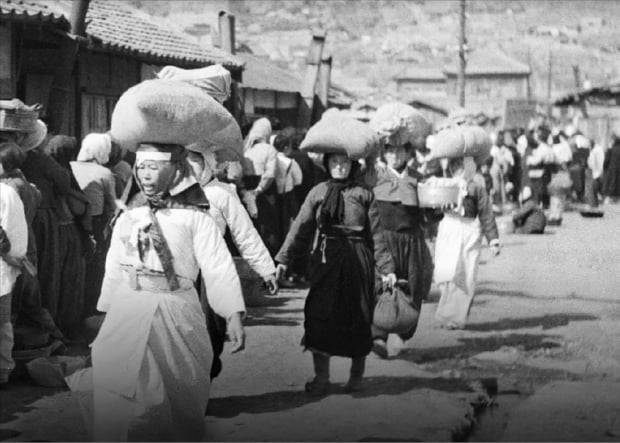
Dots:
{"x": 78, "y": 16}
{"x": 226, "y": 27}
{"x": 324, "y": 80}
{"x": 313, "y": 63}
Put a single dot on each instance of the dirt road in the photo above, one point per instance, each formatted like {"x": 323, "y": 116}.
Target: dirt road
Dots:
{"x": 543, "y": 336}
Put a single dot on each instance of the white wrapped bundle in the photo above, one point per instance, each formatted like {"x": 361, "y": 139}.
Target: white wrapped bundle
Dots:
{"x": 339, "y": 134}
{"x": 398, "y": 124}
{"x": 461, "y": 141}
{"x": 214, "y": 80}
{"x": 170, "y": 111}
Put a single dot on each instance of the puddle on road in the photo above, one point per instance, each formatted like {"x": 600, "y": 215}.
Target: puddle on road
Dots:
{"x": 492, "y": 421}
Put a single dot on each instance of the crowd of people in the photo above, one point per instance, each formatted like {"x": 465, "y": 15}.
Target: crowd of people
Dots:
{"x": 82, "y": 221}
{"x": 551, "y": 168}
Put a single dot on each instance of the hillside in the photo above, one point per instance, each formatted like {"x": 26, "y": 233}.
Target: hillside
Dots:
{"x": 371, "y": 41}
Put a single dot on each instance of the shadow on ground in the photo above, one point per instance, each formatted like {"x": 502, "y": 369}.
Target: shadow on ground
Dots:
{"x": 471, "y": 346}
{"x": 270, "y": 314}
{"x": 228, "y": 407}
{"x": 545, "y": 321}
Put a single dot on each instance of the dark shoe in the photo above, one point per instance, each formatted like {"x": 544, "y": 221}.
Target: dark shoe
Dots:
{"x": 379, "y": 347}
{"x": 554, "y": 222}
{"x": 316, "y": 386}
{"x": 354, "y": 385}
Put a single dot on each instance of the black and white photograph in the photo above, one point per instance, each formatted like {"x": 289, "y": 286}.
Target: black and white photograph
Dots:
{"x": 309, "y": 220}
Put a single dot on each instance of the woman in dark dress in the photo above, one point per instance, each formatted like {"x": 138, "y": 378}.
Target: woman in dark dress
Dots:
{"x": 403, "y": 221}
{"x": 339, "y": 223}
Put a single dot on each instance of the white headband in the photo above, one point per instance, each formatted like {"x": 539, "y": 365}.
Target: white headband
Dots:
{"x": 153, "y": 155}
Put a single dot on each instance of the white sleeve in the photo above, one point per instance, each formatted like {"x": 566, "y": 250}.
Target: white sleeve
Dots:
{"x": 246, "y": 237}
{"x": 14, "y": 221}
{"x": 296, "y": 174}
{"x": 112, "y": 279}
{"x": 220, "y": 277}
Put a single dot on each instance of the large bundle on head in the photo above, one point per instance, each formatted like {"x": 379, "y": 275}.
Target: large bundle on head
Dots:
{"x": 461, "y": 141}
{"x": 337, "y": 133}
{"x": 170, "y": 111}
{"x": 214, "y": 80}
{"x": 399, "y": 124}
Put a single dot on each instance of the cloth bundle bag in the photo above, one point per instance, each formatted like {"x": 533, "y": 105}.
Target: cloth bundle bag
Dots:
{"x": 394, "y": 312}
{"x": 337, "y": 133}
{"x": 214, "y": 80}
{"x": 461, "y": 141}
{"x": 168, "y": 111}
{"x": 398, "y": 124}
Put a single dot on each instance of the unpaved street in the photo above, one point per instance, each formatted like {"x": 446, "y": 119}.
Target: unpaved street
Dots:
{"x": 544, "y": 326}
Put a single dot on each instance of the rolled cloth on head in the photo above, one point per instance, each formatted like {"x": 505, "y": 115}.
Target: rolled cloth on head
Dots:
{"x": 461, "y": 141}
{"x": 167, "y": 111}
{"x": 95, "y": 147}
{"x": 214, "y": 80}
{"x": 336, "y": 133}
{"x": 398, "y": 124}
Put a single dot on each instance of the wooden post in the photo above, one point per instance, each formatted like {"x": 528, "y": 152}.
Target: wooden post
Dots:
{"x": 313, "y": 62}
{"x": 549, "y": 77}
{"x": 462, "y": 57}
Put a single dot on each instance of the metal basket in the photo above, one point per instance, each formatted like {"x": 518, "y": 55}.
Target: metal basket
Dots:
{"x": 430, "y": 196}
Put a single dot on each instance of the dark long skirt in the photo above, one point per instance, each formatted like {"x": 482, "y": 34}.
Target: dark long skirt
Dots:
{"x": 338, "y": 310}
{"x": 413, "y": 263}
{"x": 45, "y": 228}
{"x": 72, "y": 274}
{"x": 27, "y": 305}
{"x": 95, "y": 268}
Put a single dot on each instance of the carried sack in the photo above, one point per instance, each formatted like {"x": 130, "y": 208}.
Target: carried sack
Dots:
{"x": 337, "y": 133}
{"x": 398, "y": 124}
{"x": 394, "y": 312}
{"x": 461, "y": 141}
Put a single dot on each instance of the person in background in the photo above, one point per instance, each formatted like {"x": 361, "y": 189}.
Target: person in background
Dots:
{"x": 578, "y": 166}
{"x": 530, "y": 219}
{"x": 229, "y": 215}
{"x": 596, "y": 162}
{"x": 288, "y": 177}
{"x": 342, "y": 215}
{"x": 259, "y": 177}
{"x": 75, "y": 231}
{"x": 97, "y": 183}
{"x": 27, "y": 307}
{"x": 13, "y": 246}
{"x": 457, "y": 250}
{"x": 611, "y": 180}
{"x": 561, "y": 184}
{"x": 53, "y": 181}
{"x": 540, "y": 164}
{"x": 501, "y": 168}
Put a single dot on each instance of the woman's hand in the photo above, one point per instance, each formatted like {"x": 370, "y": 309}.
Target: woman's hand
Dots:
{"x": 235, "y": 332}
{"x": 271, "y": 281}
{"x": 281, "y": 271}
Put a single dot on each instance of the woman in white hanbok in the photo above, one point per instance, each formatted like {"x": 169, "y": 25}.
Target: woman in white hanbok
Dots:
{"x": 152, "y": 356}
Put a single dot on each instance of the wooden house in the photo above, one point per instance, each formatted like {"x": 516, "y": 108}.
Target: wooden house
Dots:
{"x": 78, "y": 77}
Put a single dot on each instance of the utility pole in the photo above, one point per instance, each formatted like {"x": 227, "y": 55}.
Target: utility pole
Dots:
{"x": 549, "y": 76}
{"x": 462, "y": 56}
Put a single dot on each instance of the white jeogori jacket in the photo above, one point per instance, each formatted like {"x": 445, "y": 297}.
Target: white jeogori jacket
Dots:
{"x": 228, "y": 211}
